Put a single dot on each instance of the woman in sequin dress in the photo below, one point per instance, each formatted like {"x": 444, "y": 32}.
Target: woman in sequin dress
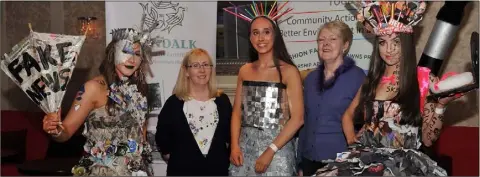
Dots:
{"x": 113, "y": 108}
{"x": 268, "y": 107}
{"x": 394, "y": 116}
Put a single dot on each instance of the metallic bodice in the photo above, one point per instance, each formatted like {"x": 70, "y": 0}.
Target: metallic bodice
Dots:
{"x": 264, "y": 105}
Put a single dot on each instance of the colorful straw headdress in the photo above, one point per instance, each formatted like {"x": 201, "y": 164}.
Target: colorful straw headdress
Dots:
{"x": 259, "y": 9}
{"x": 387, "y": 17}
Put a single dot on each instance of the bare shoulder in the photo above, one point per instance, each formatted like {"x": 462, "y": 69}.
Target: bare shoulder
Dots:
{"x": 247, "y": 67}
{"x": 290, "y": 73}
{"x": 96, "y": 85}
{"x": 290, "y": 70}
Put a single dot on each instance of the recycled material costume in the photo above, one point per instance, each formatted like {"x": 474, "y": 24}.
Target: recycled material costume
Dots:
{"x": 261, "y": 125}
{"x": 386, "y": 147}
{"x": 265, "y": 111}
{"x": 115, "y": 144}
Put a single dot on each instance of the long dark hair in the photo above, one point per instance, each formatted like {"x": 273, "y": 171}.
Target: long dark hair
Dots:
{"x": 408, "y": 96}
{"x": 107, "y": 69}
{"x": 279, "y": 49}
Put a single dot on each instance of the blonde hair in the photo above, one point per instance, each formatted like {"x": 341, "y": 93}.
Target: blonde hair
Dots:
{"x": 181, "y": 89}
{"x": 341, "y": 29}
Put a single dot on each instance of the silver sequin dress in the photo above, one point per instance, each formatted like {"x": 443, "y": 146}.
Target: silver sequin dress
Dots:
{"x": 264, "y": 113}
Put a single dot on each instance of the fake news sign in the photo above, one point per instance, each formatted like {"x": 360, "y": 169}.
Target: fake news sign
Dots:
{"x": 42, "y": 65}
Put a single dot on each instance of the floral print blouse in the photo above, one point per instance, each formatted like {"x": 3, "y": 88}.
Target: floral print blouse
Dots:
{"x": 202, "y": 117}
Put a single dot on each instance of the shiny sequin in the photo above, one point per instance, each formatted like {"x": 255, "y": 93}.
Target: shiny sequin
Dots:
{"x": 264, "y": 113}
{"x": 265, "y": 105}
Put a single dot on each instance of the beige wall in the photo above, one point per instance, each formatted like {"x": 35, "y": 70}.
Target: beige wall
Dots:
{"x": 51, "y": 17}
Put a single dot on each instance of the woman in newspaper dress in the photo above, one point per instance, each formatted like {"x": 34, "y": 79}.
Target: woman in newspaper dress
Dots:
{"x": 268, "y": 107}
{"x": 113, "y": 109}
{"x": 391, "y": 108}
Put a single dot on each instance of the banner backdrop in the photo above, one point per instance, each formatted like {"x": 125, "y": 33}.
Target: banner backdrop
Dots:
{"x": 183, "y": 26}
{"x": 300, "y": 31}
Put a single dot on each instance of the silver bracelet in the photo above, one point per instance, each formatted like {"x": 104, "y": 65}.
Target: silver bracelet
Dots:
{"x": 273, "y": 147}
{"x": 439, "y": 111}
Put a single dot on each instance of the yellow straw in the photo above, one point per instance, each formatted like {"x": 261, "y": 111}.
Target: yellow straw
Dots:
{"x": 254, "y": 11}
{"x": 271, "y": 9}
{"x": 393, "y": 13}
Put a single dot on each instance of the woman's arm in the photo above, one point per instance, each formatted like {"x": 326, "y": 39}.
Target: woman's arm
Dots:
{"x": 295, "y": 103}
{"x": 85, "y": 101}
{"x": 236, "y": 156}
{"x": 347, "y": 119}
{"x": 432, "y": 120}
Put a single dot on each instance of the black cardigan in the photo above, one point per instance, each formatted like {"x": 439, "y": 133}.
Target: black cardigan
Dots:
{"x": 174, "y": 137}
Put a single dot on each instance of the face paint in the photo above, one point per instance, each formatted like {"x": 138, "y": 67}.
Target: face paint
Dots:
{"x": 123, "y": 51}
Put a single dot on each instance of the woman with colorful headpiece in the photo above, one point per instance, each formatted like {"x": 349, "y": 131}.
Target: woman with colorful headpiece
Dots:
{"x": 268, "y": 107}
{"x": 390, "y": 107}
{"x": 113, "y": 108}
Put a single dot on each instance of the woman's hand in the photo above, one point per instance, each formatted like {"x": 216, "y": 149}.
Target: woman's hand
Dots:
{"x": 263, "y": 162}
{"x": 352, "y": 140}
{"x": 236, "y": 156}
{"x": 51, "y": 123}
{"x": 300, "y": 173}
{"x": 442, "y": 102}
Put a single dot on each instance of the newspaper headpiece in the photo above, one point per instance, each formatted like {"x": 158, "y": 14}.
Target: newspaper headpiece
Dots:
{"x": 259, "y": 10}
{"x": 126, "y": 37}
{"x": 387, "y": 17}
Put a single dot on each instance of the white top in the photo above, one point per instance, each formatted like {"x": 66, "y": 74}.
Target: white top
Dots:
{"x": 202, "y": 117}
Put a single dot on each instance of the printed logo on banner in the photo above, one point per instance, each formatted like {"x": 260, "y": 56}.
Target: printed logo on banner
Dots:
{"x": 169, "y": 16}
{"x": 166, "y": 13}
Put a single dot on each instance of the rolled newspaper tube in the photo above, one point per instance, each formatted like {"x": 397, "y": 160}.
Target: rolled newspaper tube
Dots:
{"x": 461, "y": 83}
{"x": 444, "y": 31}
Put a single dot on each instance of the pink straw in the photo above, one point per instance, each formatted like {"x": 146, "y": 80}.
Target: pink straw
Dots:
{"x": 378, "y": 18}
{"x": 279, "y": 9}
{"x": 280, "y": 15}
{"x": 239, "y": 16}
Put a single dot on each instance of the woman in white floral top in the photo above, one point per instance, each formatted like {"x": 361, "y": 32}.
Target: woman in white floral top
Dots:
{"x": 113, "y": 108}
{"x": 193, "y": 129}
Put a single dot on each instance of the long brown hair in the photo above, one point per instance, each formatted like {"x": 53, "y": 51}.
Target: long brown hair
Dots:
{"x": 108, "y": 70}
{"x": 408, "y": 96}
{"x": 279, "y": 48}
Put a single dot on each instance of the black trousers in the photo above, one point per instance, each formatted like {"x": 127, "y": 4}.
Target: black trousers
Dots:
{"x": 309, "y": 167}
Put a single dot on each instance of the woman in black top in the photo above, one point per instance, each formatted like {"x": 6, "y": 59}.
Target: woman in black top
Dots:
{"x": 193, "y": 130}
